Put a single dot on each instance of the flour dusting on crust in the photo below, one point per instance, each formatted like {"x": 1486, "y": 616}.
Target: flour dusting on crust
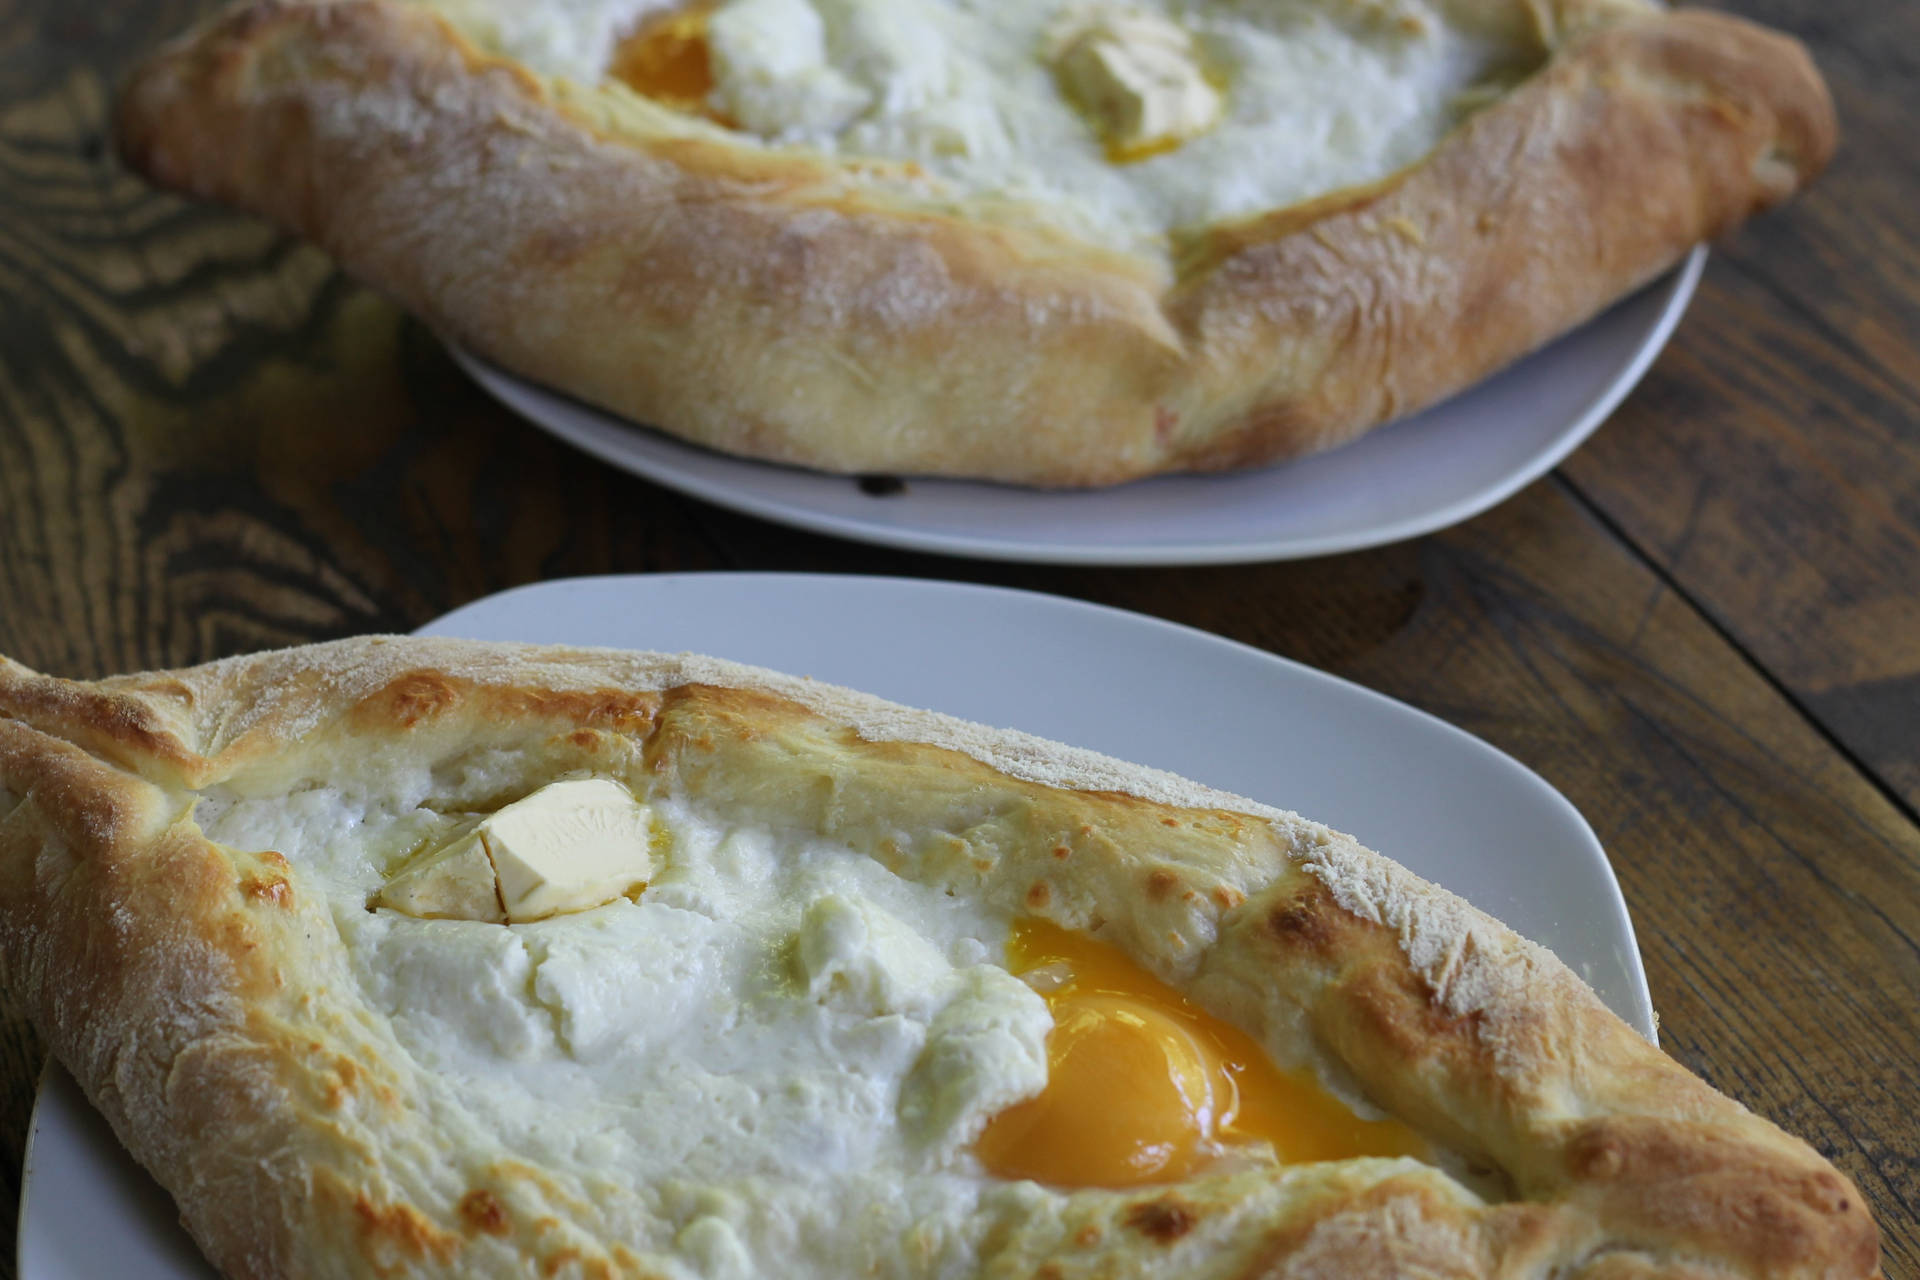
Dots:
{"x": 331, "y": 1088}
{"x": 293, "y": 695}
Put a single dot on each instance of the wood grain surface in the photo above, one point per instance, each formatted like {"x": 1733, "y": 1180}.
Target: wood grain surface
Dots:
{"x": 1704, "y": 629}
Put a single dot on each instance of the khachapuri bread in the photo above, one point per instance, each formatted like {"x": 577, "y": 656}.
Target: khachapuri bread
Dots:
{"x": 1050, "y": 242}
{"x": 410, "y": 957}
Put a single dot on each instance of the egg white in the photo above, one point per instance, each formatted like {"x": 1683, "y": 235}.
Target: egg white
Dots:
{"x": 775, "y": 1059}
{"x": 1319, "y": 94}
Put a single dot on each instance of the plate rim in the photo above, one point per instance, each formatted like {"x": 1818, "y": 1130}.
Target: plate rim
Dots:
{"x": 1680, "y": 283}
{"x": 30, "y": 1157}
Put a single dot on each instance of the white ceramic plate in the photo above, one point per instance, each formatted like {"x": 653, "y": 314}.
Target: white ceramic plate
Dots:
{"x": 1412, "y": 477}
{"x": 1441, "y": 801}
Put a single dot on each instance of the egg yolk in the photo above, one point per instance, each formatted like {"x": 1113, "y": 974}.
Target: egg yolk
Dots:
{"x": 1143, "y": 1086}
{"x": 665, "y": 58}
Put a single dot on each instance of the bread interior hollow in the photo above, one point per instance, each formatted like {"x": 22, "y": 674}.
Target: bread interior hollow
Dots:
{"x": 808, "y": 1007}
{"x": 964, "y": 98}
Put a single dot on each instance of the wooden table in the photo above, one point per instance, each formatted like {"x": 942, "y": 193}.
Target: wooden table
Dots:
{"x": 1704, "y": 628}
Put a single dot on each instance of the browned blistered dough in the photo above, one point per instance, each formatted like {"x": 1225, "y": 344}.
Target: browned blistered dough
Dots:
{"x": 788, "y": 305}
{"x": 200, "y": 994}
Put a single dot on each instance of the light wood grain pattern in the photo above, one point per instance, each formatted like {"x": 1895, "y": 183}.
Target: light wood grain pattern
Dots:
{"x": 1705, "y": 630}
{"x": 1773, "y": 462}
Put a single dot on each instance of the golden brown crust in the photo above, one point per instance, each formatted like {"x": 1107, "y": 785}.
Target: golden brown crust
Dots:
{"x": 199, "y": 992}
{"x": 779, "y": 305}
{"x": 1640, "y": 138}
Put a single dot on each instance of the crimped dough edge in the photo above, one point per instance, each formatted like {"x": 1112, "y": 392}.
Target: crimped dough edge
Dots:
{"x": 781, "y": 305}
{"x": 180, "y": 980}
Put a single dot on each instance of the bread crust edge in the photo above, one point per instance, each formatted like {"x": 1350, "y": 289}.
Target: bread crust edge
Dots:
{"x": 781, "y": 306}
{"x": 115, "y": 915}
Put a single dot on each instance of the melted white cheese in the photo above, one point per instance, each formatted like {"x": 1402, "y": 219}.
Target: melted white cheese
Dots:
{"x": 778, "y": 1028}
{"x": 1315, "y": 94}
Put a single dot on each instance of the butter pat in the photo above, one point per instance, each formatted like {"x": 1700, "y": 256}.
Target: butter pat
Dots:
{"x": 1137, "y": 78}
{"x": 570, "y": 846}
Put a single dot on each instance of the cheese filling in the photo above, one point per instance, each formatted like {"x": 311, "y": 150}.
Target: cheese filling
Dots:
{"x": 731, "y": 1039}
{"x": 1122, "y": 122}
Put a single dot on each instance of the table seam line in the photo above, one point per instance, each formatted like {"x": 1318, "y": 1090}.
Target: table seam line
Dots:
{"x": 1723, "y": 632}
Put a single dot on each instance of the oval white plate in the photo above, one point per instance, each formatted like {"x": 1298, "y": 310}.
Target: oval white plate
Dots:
{"x": 1414, "y": 476}
{"x": 1441, "y": 801}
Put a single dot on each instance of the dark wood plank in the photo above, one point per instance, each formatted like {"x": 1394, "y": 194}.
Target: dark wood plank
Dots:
{"x": 210, "y": 442}
{"x": 1771, "y": 463}
{"x": 256, "y": 454}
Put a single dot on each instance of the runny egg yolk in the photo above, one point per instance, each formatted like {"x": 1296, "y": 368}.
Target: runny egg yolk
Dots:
{"x": 1142, "y": 1086}
{"x": 666, "y": 58}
